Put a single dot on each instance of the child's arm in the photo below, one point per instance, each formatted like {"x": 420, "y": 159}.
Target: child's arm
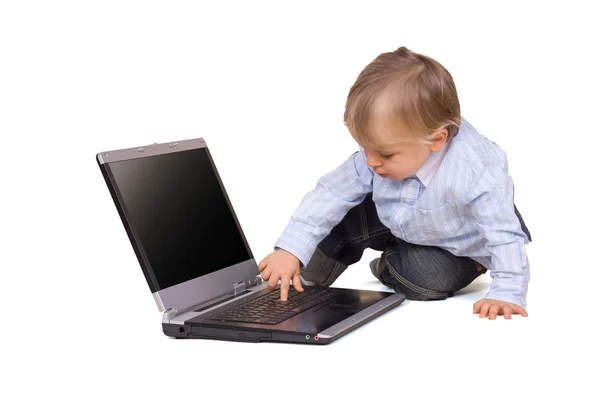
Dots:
{"x": 319, "y": 212}
{"x": 492, "y": 206}
{"x": 326, "y": 205}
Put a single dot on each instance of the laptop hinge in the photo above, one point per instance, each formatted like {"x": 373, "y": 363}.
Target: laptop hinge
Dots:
{"x": 238, "y": 288}
{"x": 169, "y": 314}
{"x": 243, "y": 285}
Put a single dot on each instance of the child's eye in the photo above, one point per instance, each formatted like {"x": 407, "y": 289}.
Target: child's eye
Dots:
{"x": 386, "y": 156}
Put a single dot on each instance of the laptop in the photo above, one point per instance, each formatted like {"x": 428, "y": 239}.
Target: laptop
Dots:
{"x": 197, "y": 261}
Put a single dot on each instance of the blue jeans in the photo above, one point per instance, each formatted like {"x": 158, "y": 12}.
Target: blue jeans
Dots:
{"x": 420, "y": 272}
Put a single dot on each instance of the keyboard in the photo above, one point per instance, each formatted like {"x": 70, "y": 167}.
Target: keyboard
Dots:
{"x": 268, "y": 309}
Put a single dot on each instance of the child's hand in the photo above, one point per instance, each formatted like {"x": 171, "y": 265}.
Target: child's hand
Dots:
{"x": 281, "y": 265}
{"x": 492, "y": 308}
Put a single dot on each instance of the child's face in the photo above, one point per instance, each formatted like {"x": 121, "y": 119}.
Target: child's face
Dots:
{"x": 398, "y": 161}
{"x": 402, "y": 160}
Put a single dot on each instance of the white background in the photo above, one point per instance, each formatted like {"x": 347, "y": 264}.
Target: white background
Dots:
{"x": 265, "y": 85}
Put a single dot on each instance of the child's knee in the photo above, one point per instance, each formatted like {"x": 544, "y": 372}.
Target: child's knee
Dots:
{"x": 411, "y": 290}
{"x": 430, "y": 272}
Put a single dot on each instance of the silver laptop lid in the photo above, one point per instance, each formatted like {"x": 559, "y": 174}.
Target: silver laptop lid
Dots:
{"x": 179, "y": 220}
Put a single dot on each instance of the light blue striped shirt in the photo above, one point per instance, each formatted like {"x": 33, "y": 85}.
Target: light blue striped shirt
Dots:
{"x": 461, "y": 200}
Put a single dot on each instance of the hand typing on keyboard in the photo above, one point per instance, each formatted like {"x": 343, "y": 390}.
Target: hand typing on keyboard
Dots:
{"x": 284, "y": 266}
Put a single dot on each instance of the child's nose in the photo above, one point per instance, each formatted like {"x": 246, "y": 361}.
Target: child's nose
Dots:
{"x": 372, "y": 160}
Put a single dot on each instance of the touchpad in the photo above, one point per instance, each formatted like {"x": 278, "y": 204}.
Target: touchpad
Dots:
{"x": 339, "y": 309}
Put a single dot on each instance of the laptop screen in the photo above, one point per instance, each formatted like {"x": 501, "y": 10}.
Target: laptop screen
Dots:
{"x": 179, "y": 214}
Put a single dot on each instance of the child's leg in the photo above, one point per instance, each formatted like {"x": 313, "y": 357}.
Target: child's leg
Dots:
{"x": 426, "y": 273}
{"x": 345, "y": 244}
{"x": 420, "y": 272}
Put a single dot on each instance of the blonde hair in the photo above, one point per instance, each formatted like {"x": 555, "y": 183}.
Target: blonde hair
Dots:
{"x": 409, "y": 92}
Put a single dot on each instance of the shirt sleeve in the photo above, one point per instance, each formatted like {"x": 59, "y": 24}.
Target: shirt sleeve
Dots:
{"x": 325, "y": 206}
{"x": 492, "y": 207}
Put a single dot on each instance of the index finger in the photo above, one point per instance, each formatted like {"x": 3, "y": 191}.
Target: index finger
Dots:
{"x": 262, "y": 265}
{"x": 284, "y": 288}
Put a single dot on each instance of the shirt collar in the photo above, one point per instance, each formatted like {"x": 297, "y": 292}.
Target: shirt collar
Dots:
{"x": 428, "y": 170}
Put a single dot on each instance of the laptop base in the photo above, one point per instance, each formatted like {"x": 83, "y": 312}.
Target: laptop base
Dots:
{"x": 322, "y": 324}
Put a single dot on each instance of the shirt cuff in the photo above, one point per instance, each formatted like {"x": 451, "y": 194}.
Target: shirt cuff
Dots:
{"x": 302, "y": 253}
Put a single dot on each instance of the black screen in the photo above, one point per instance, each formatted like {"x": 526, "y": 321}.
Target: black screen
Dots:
{"x": 178, "y": 212}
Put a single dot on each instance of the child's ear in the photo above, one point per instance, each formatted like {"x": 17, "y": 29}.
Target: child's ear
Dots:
{"x": 438, "y": 139}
